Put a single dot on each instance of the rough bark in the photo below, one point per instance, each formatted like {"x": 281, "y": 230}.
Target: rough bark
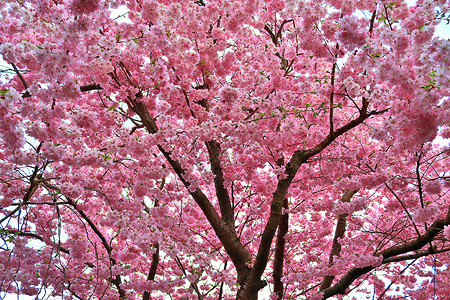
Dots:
{"x": 279, "y": 252}
{"x": 222, "y": 194}
{"x": 389, "y": 255}
{"x": 338, "y": 234}
{"x": 233, "y": 246}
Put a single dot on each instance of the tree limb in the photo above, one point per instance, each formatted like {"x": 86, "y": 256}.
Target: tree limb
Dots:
{"x": 233, "y": 246}
{"x": 116, "y": 279}
{"x": 279, "y": 252}
{"x": 221, "y": 193}
{"x": 298, "y": 158}
{"x": 338, "y": 234}
{"x": 152, "y": 272}
{"x": 83, "y": 88}
{"x": 34, "y": 184}
{"x": 389, "y": 255}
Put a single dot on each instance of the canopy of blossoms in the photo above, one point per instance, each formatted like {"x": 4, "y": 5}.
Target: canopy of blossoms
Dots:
{"x": 224, "y": 149}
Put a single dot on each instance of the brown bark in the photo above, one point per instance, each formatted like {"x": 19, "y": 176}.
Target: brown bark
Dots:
{"x": 233, "y": 246}
{"x": 254, "y": 283}
{"x": 222, "y": 194}
{"x": 392, "y": 254}
{"x": 338, "y": 234}
{"x": 152, "y": 272}
{"x": 279, "y": 252}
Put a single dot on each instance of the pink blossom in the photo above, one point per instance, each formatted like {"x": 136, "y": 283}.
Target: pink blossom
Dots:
{"x": 432, "y": 187}
{"x": 167, "y": 150}
{"x": 447, "y": 232}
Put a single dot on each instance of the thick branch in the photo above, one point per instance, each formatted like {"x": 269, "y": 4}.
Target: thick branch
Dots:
{"x": 90, "y": 87}
{"x": 338, "y": 234}
{"x": 372, "y": 21}
{"x": 388, "y": 256}
{"x": 279, "y": 252}
{"x": 341, "y": 130}
{"x": 298, "y": 158}
{"x": 83, "y": 88}
{"x": 152, "y": 272}
{"x": 417, "y": 255}
{"x": 234, "y": 248}
{"x": 221, "y": 193}
{"x": 254, "y": 282}
{"x": 25, "y": 85}
{"x": 238, "y": 254}
{"x": 272, "y": 35}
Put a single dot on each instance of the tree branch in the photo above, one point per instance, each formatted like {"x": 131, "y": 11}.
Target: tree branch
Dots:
{"x": 32, "y": 235}
{"x": 193, "y": 284}
{"x": 90, "y": 87}
{"x": 221, "y": 193}
{"x": 372, "y": 21}
{"x": 233, "y": 246}
{"x": 298, "y": 158}
{"x": 363, "y": 115}
{"x": 34, "y": 184}
{"x": 152, "y": 272}
{"x": 417, "y": 255}
{"x": 83, "y": 88}
{"x": 25, "y": 85}
{"x": 254, "y": 282}
{"x": 338, "y": 234}
{"x": 333, "y": 72}
{"x": 389, "y": 255}
{"x": 116, "y": 279}
{"x": 279, "y": 252}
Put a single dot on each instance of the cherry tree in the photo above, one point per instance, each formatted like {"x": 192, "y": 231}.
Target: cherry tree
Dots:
{"x": 218, "y": 149}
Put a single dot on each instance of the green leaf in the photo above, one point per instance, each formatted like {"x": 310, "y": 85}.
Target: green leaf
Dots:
{"x": 3, "y": 92}
{"x": 391, "y": 5}
{"x": 105, "y": 156}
